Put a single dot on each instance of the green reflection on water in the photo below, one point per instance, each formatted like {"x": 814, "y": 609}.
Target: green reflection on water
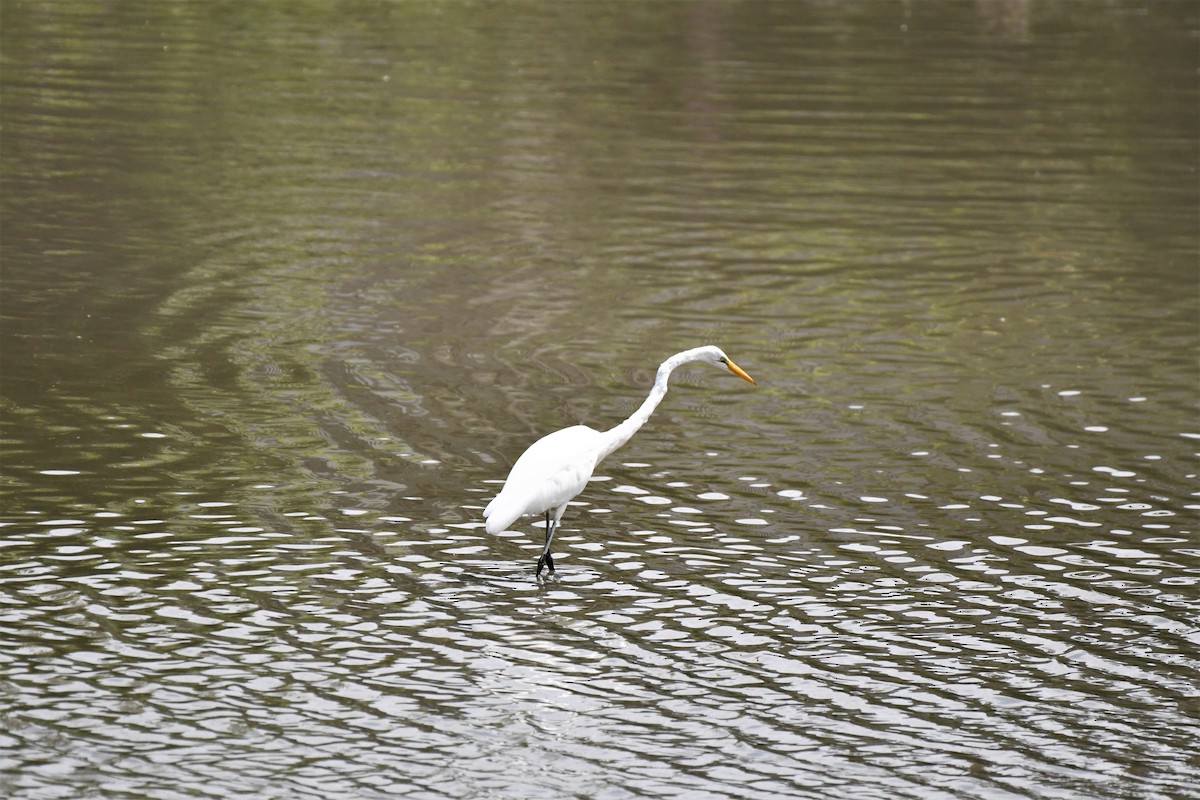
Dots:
{"x": 301, "y": 239}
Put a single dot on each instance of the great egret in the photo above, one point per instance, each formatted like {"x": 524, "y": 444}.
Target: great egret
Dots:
{"x": 557, "y": 467}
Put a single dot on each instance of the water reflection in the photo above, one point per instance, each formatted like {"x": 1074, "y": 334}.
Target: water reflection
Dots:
{"x": 372, "y": 639}
{"x": 285, "y": 293}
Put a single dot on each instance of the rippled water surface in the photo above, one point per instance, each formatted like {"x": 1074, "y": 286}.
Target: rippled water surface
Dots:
{"x": 287, "y": 289}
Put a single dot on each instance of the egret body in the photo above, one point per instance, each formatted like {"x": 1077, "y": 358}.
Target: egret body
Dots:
{"x": 557, "y": 467}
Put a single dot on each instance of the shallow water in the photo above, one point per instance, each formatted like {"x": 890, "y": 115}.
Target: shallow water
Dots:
{"x": 286, "y": 291}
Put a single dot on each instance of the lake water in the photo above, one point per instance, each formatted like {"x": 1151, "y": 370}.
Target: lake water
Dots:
{"x": 287, "y": 288}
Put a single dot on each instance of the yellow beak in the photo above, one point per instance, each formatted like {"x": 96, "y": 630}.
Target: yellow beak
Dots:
{"x": 736, "y": 370}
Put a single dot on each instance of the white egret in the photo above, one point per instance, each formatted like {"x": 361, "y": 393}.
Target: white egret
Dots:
{"x": 557, "y": 467}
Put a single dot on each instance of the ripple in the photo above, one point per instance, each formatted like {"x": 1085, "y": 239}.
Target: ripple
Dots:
{"x": 262, "y": 386}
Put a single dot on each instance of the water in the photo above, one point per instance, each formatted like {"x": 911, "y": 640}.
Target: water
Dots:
{"x": 286, "y": 291}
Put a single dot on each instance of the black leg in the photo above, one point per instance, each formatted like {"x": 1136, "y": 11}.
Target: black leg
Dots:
{"x": 545, "y": 558}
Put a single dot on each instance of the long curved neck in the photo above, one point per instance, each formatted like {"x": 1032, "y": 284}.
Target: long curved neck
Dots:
{"x": 615, "y": 437}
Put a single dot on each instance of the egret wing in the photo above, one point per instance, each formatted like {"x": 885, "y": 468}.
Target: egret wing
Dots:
{"x": 553, "y": 470}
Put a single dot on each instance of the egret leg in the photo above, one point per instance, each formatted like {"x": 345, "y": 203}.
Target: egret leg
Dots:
{"x": 545, "y": 559}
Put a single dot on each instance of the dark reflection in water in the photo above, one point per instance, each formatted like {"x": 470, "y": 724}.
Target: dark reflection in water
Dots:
{"x": 285, "y": 290}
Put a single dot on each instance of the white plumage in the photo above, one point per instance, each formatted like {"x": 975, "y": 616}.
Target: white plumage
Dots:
{"x": 557, "y": 467}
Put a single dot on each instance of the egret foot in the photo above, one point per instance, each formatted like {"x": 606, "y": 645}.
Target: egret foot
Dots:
{"x": 546, "y": 560}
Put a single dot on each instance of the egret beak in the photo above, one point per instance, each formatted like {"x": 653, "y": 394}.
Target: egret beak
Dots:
{"x": 736, "y": 370}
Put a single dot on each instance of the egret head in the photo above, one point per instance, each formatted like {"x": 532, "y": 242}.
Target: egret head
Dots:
{"x": 715, "y": 355}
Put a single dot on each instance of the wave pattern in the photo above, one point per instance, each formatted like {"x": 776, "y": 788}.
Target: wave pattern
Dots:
{"x": 285, "y": 292}
{"x": 718, "y": 650}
